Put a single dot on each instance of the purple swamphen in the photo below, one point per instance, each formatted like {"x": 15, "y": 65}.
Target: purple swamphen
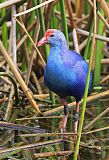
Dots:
{"x": 65, "y": 72}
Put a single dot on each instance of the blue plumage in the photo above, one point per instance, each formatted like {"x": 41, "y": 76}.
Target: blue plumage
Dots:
{"x": 66, "y": 71}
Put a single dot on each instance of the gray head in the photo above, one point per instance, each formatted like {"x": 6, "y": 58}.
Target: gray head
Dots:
{"x": 53, "y": 37}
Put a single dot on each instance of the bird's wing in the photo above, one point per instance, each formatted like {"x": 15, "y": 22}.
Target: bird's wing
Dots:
{"x": 72, "y": 58}
{"x": 76, "y": 68}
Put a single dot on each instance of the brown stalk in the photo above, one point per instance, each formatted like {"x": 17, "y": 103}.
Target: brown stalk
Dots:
{"x": 72, "y": 105}
{"x": 48, "y": 154}
{"x": 6, "y": 80}
{"x": 8, "y": 3}
{"x": 29, "y": 67}
{"x": 41, "y": 96}
{"x": 24, "y": 51}
{"x": 98, "y": 130}
{"x": 22, "y": 25}
{"x": 32, "y": 56}
{"x": 97, "y": 118}
{"x": 13, "y": 49}
{"x": 3, "y": 100}
{"x": 104, "y": 79}
{"x": 13, "y": 68}
{"x": 55, "y": 134}
{"x": 22, "y": 40}
{"x": 77, "y": 7}
{"x": 99, "y": 14}
{"x": 83, "y": 44}
{"x": 40, "y": 144}
{"x": 48, "y": 13}
{"x": 10, "y": 104}
{"x": 29, "y": 29}
{"x": 31, "y": 118}
{"x": 99, "y": 37}
{"x": 26, "y": 17}
{"x": 33, "y": 8}
{"x": 37, "y": 84}
{"x": 2, "y": 63}
{"x": 103, "y": 61}
{"x": 89, "y": 21}
{"x": 104, "y": 7}
{"x": 74, "y": 34}
{"x": 20, "y": 127}
{"x": 81, "y": 20}
{"x": 70, "y": 12}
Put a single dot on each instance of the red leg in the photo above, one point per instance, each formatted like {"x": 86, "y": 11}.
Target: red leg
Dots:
{"x": 64, "y": 119}
{"x": 76, "y": 118}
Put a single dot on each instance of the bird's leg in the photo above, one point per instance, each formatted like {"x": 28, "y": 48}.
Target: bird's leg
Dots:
{"x": 76, "y": 118}
{"x": 64, "y": 119}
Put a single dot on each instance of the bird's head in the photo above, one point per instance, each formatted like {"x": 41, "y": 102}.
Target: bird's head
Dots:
{"x": 53, "y": 37}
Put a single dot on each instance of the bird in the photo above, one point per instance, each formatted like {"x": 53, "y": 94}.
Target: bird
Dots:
{"x": 65, "y": 73}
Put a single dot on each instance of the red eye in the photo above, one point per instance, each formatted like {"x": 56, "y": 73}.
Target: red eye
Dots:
{"x": 52, "y": 35}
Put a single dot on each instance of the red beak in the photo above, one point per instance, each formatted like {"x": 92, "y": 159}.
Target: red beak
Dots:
{"x": 42, "y": 41}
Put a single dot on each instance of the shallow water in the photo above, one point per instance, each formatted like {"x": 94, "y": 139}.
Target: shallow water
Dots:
{"x": 94, "y": 146}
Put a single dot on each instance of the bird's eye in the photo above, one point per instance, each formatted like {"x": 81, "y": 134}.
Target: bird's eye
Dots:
{"x": 52, "y": 35}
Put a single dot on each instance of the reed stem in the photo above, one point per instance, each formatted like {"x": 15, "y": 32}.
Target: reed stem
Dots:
{"x": 64, "y": 22}
{"x": 42, "y": 25}
{"x": 86, "y": 89}
{"x": 99, "y": 50}
{"x": 4, "y": 28}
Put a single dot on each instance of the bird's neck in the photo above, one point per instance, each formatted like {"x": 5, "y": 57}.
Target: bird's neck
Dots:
{"x": 59, "y": 47}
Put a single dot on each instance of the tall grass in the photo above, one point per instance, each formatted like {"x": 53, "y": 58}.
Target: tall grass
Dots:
{"x": 4, "y": 27}
{"x": 46, "y": 48}
{"x": 99, "y": 53}
{"x": 64, "y": 22}
{"x": 59, "y": 18}
{"x": 86, "y": 89}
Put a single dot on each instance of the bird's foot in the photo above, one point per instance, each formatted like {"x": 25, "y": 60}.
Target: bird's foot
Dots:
{"x": 76, "y": 116}
{"x": 75, "y": 124}
{"x": 63, "y": 123}
{"x": 62, "y": 127}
